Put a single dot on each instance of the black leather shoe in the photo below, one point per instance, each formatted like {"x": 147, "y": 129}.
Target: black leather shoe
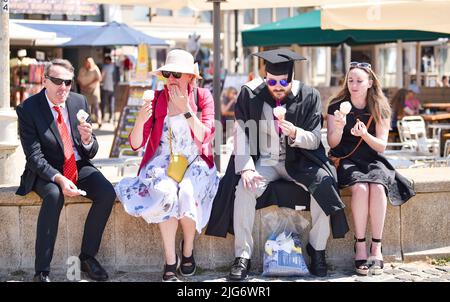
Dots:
{"x": 318, "y": 265}
{"x": 41, "y": 277}
{"x": 94, "y": 270}
{"x": 239, "y": 269}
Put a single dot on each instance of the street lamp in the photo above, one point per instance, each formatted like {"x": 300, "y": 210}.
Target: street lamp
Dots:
{"x": 216, "y": 78}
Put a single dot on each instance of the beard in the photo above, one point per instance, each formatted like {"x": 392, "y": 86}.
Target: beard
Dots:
{"x": 279, "y": 93}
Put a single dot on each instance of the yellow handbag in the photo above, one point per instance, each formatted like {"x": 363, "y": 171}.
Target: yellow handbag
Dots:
{"x": 178, "y": 164}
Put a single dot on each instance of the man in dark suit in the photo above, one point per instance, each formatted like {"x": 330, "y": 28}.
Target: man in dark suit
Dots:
{"x": 58, "y": 148}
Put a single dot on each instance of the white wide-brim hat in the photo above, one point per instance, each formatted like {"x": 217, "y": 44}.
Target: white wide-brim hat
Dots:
{"x": 179, "y": 60}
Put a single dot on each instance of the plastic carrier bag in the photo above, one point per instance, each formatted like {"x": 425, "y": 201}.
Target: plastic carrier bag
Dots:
{"x": 283, "y": 252}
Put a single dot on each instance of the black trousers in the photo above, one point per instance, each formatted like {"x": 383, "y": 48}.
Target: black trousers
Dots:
{"x": 97, "y": 188}
{"x": 107, "y": 103}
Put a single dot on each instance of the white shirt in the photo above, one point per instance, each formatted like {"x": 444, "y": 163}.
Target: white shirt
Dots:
{"x": 65, "y": 116}
{"x": 108, "y": 79}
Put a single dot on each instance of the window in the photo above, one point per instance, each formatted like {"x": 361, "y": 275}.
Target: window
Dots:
{"x": 428, "y": 60}
{"x": 206, "y": 17}
{"x": 296, "y": 11}
{"x": 445, "y": 57}
{"x": 58, "y": 17}
{"x": 249, "y": 16}
{"x": 186, "y": 12}
{"x": 96, "y": 18}
{"x": 75, "y": 18}
{"x": 388, "y": 66}
{"x": 140, "y": 13}
{"x": 300, "y": 10}
{"x": 164, "y": 12}
{"x": 248, "y": 61}
{"x": 337, "y": 65}
{"x": 264, "y": 15}
{"x": 16, "y": 16}
{"x": 282, "y": 13}
{"x": 321, "y": 61}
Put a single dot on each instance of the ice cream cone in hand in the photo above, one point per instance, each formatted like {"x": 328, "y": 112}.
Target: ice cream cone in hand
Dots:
{"x": 345, "y": 108}
{"x": 279, "y": 112}
{"x": 148, "y": 95}
{"x": 82, "y": 116}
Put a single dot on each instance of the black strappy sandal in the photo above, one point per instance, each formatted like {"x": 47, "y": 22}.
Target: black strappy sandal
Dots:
{"x": 376, "y": 268}
{"x": 170, "y": 272}
{"x": 361, "y": 266}
{"x": 188, "y": 266}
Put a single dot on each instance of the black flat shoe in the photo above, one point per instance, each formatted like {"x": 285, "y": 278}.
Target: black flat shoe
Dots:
{"x": 170, "y": 272}
{"x": 239, "y": 269}
{"x": 93, "y": 269}
{"x": 188, "y": 266}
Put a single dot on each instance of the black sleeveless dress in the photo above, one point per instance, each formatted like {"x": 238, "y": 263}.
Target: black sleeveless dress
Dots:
{"x": 365, "y": 164}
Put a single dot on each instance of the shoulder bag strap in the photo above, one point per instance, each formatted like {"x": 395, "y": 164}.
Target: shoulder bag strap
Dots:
{"x": 170, "y": 141}
{"x": 360, "y": 140}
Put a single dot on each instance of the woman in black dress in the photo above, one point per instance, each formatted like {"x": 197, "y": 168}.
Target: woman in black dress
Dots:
{"x": 366, "y": 171}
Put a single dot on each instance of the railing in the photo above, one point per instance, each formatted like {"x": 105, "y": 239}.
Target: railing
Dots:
{"x": 121, "y": 163}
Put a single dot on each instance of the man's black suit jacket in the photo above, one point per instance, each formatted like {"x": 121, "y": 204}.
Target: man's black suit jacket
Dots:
{"x": 41, "y": 141}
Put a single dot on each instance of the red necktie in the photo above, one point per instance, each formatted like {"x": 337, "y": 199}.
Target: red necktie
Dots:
{"x": 70, "y": 165}
{"x": 277, "y": 123}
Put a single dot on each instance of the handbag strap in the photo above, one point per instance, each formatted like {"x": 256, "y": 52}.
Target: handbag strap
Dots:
{"x": 198, "y": 110}
{"x": 170, "y": 147}
{"x": 360, "y": 140}
{"x": 170, "y": 141}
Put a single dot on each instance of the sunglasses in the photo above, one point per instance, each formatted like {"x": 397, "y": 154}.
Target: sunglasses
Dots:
{"x": 58, "y": 81}
{"x": 272, "y": 82}
{"x": 167, "y": 74}
{"x": 360, "y": 65}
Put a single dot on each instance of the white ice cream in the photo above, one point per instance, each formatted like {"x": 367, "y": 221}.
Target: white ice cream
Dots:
{"x": 345, "y": 108}
{"x": 148, "y": 95}
{"x": 82, "y": 116}
{"x": 279, "y": 112}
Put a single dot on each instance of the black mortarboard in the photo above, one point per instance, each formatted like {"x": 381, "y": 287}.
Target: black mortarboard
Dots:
{"x": 279, "y": 61}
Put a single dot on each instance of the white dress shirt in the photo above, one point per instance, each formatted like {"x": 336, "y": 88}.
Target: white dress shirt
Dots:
{"x": 65, "y": 116}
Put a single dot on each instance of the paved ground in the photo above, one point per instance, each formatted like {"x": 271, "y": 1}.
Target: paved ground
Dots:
{"x": 394, "y": 272}
{"x": 105, "y": 136}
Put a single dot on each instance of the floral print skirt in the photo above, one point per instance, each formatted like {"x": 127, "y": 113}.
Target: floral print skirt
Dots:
{"x": 156, "y": 197}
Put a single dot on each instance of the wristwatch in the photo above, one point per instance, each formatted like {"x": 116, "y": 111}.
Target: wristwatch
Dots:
{"x": 188, "y": 115}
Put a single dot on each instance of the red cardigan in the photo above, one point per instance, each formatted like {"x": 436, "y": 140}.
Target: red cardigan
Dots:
{"x": 154, "y": 126}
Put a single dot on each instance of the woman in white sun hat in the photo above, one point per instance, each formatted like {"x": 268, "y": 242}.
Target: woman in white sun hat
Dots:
{"x": 169, "y": 123}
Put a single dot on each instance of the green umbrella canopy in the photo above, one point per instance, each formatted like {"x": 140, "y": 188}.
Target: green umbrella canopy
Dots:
{"x": 304, "y": 29}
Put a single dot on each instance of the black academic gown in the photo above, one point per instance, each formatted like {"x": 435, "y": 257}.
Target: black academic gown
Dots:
{"x": 309, "y": 167}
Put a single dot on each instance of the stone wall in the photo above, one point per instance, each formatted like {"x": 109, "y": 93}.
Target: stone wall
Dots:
{"x": 130, "y": 244}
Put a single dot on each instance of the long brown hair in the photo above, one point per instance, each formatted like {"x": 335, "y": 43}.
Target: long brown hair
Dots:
{"x": 398, "y": 102}
{"x": 378, "y": 104}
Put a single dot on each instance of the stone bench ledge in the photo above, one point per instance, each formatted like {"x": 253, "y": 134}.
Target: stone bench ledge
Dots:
{"x": 426, "y": 180}
{"x": 131, "y": 244}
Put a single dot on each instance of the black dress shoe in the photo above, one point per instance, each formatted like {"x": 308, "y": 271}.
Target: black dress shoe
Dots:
{"x": 41, "y": 277}
{"x": 318, "y": 265}
{"x": 239, "y": 269}
{"x": 94, "y": 270}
